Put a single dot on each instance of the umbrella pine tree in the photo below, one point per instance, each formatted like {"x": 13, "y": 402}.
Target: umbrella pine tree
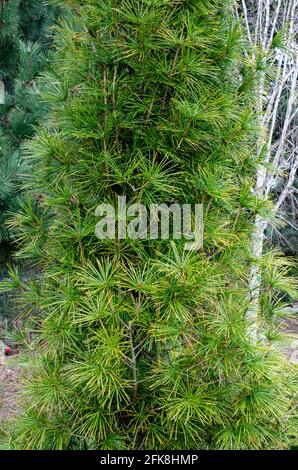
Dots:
{"x": 142, "y": 344}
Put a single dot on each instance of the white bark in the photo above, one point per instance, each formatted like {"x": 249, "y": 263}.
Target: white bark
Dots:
{"x": 278, "y": 118}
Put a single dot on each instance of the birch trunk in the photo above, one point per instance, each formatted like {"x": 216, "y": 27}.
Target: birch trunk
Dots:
{"x": 263, "y": 19}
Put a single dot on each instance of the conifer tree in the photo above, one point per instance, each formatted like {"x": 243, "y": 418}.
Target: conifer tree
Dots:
{"x": 141, "y": 344}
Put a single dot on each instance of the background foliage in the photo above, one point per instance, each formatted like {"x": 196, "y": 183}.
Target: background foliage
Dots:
{"x": 24, "y": 41}
{"x": 24, "y": 38}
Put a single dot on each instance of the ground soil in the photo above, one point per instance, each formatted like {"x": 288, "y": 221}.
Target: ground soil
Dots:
{"x": 9, "y": 384}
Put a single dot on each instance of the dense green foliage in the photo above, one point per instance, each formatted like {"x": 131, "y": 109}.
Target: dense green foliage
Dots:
{"x": 24, "y": 41}
{"x": 142, "y": 344}
{"x": 24, "y": 38}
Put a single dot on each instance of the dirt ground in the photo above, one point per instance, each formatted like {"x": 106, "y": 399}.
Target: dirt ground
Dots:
{"x": 9, "y": 384}
{"x": 291, "y": 349}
